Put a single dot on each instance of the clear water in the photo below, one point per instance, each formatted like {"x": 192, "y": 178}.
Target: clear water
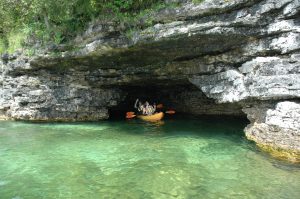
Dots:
{"x": 182, "y": 158}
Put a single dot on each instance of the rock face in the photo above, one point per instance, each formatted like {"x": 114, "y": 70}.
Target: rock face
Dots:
{"x": 276, "y": 127}
{"x": 216, "y": 57}
{"x": 43, "y": 95}
{"x": 262, "y": 78}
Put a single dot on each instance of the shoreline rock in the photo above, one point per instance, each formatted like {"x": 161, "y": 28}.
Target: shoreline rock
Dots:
{"x": 276, "y": 129}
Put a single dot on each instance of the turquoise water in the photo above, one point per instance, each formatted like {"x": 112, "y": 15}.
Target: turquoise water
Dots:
{"x": 182, "y": 158}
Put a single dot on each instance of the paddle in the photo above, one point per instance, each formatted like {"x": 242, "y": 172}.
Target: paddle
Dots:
{"x": 160, "y": 106}
{"x": 171, "y": 112}
{"x": 130, "y": 115}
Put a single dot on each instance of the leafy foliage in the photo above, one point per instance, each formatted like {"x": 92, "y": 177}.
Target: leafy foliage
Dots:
{"x": 29, "y": 21}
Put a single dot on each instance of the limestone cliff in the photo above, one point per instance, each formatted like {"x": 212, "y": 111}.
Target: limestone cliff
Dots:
{"x": 216, "y": 57}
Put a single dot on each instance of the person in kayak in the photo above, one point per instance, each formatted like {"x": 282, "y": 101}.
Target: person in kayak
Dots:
{"x": 145, "y": 109}
{"x": 150, "y": 109}
{"x": 139, "y": 106}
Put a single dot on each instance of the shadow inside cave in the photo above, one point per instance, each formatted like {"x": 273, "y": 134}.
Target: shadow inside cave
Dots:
{"x": 185, "y": 99}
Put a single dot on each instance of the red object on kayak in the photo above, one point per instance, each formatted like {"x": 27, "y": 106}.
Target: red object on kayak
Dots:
{"x": 130, "y": 113}
{"x": 130, "y": 116}
{"x": 171, "y": 112}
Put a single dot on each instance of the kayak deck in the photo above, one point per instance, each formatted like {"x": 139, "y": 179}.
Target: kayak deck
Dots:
{"x": 152, "y": 118}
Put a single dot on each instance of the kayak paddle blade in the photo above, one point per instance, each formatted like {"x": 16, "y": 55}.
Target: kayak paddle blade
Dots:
{"x": 171, "y": 112}
{"x": 130, "y": 116}
{"x": 130, "y": 113}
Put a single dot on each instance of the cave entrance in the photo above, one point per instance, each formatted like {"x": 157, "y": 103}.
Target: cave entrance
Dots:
{"x": 185, "y": 99}
{"x": 153, "y": 94}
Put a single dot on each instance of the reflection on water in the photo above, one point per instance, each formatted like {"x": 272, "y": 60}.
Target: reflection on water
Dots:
{"x": 182, "y": 158}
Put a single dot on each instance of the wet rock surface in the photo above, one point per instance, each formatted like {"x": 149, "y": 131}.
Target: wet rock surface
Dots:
{"x": 221, "y": 57}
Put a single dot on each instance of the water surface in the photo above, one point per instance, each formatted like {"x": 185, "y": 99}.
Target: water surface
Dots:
{"x": 180, "y": 158}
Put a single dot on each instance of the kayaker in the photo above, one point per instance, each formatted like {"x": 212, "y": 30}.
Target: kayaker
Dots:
{"x": 145, "y": 109}
{"x": 139, "y": 107}
{"x": 150, "y": 110}
{"x": 154, "y": 108}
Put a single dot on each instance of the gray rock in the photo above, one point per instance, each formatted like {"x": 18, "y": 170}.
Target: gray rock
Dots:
{"x": 286, "y": 115}
{"x": 277, "y": 127}
{"x": 261, "y": 78}
{"x": 226, "y": 86}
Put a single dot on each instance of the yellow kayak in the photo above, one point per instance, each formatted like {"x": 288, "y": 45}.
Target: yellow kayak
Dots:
{"x": 152, "y": 118}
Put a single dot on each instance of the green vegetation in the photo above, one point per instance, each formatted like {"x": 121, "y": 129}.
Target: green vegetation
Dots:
{"x": 2, "y": 45}
{"x": 27, "y": 22}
